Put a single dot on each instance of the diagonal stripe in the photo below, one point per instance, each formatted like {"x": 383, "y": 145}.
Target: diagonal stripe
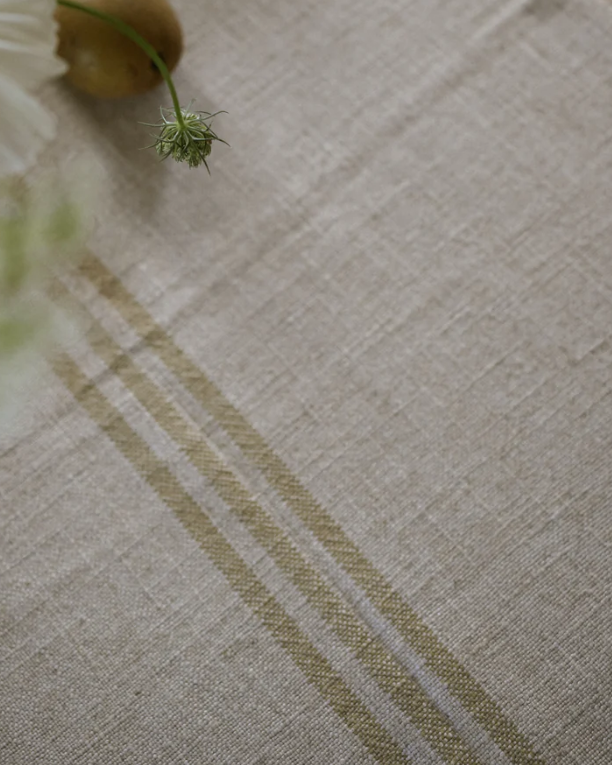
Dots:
{"x": 314, "y": 666}
{"x": 387, "y": 671}
{"x": 389, "y": 603}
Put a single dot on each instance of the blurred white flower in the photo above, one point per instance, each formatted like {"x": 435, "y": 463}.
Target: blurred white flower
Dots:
{"x": 28, "y": 40}
{"x": 41, "y": 227}
{"x": 38, "y": 225}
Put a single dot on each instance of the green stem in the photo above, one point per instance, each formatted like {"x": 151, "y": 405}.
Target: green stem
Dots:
{"x": 132, "y": 34}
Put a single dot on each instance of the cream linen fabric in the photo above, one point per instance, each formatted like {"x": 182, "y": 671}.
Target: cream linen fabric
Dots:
{"x": 323, "y": 475}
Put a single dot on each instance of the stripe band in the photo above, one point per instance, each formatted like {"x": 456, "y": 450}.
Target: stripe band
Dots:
{"x": 391, "y": 676}
{"x": 389, "y": 603}
{"x": 376, "y": 739}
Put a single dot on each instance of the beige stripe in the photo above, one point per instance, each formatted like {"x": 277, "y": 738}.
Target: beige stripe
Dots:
{"x": 421, "y": 638}
{"x": 315, "y": 667}
{"x": 390, "y": 675}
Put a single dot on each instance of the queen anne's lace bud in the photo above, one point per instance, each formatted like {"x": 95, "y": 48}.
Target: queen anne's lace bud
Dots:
{"x": 188, "y": 139}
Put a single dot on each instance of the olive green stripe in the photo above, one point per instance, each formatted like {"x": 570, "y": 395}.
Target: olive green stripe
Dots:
{"x": 417, "y": 634}
{"x": 386, "y": 670}
{"x": 314, "y": 666}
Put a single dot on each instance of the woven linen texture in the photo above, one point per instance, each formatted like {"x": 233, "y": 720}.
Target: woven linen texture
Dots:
{"x": 323, "y": 473}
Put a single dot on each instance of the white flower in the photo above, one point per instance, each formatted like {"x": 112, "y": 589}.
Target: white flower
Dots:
{"x": 27, "y": 59}
{"x": 40, "y": 227}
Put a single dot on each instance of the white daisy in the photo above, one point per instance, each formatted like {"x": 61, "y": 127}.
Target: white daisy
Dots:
{"x": 28, "y": 40}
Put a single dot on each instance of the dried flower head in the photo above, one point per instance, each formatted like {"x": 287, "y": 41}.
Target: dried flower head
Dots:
{"x": 186, "y": 138}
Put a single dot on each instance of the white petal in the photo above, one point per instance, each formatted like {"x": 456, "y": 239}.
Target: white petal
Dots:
{"x": 24, "y": 127}
{"x": 28, "y": 38}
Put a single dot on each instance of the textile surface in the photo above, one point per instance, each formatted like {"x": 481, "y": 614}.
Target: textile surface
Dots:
{"x": 323, "y": 473}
